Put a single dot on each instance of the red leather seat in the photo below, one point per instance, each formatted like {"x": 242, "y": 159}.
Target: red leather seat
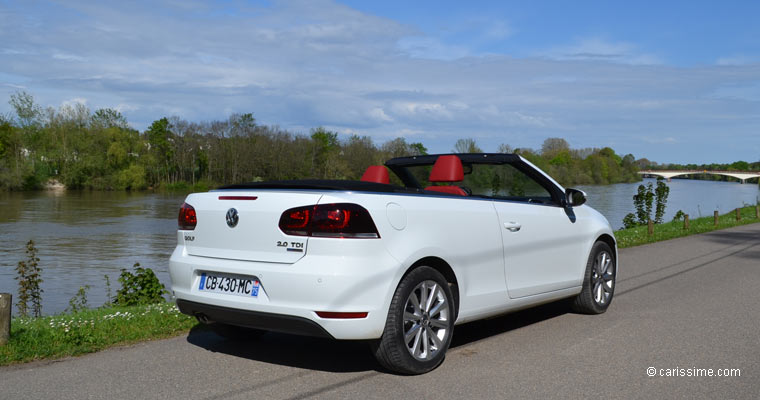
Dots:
{"x": 447, "y": 169}
{"x": 448, "y": 189}
{"x": 376, "y": 173}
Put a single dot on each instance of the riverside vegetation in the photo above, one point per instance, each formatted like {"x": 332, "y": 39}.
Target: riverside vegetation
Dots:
{"x": 91, "y": 330}
{"x": 642, "y": 203}
{"x": 99, "y": 150}
{"x": 649, "y": 197}
{"x": 138, "y": 312}
{"x": 639, "y": 234}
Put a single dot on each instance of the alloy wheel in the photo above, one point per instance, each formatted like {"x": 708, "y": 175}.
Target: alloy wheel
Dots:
{"x": 426, "y": 320}
{"x": 603, "y": 278}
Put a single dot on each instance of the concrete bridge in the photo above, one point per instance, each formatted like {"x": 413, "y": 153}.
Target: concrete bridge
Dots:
{"x": 740, "y": 175}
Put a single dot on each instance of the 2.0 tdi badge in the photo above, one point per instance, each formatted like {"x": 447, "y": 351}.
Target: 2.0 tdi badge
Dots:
{"x": 232, "y": 217}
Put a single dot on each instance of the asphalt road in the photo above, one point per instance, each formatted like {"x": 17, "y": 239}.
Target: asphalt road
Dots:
{"x": 688, "y": 304}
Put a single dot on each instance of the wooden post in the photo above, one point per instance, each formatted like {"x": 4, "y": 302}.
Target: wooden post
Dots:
{"x": 686, "y": 221}
{"x": 5, "y": 317}
{"x": 650, "y": 227}
{"x": 715, "y": 217}
{"x": 757, "y": 211}
{"x": 738, "y": 214}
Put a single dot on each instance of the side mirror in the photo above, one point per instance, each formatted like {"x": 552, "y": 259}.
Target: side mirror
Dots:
{"x": 575, "y": 197}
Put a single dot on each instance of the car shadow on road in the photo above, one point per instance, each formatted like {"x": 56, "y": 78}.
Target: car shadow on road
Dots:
{"x": 290, "y": 350}
{"x": 749, "y": 240}
{"x": 353, "y": 356}
{"x": 484, "y": 329}
{"x": 726, "y": 236}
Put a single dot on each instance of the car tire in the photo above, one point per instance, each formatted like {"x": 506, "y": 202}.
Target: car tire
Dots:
{"x": 420, "y": 324}
{"x": 598, "y": 281}
{"x": 233, "y": 332}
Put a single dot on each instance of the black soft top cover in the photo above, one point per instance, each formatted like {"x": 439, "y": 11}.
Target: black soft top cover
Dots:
{"x": 398, "y": 165}
{"x": 321, "y": 184}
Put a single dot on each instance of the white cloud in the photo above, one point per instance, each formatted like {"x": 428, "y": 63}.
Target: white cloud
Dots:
{"x": 379, "y": 115}
{"x": 406, "y": 132}
{"x": 125, "y": 108}
{"x": 68, "y": 57}
{"x": 737, "y": 60}
{"x": 431, "y": 48}
{"x": 15, "y": 52}
{"x": 74, "y": 101}
{"x": 423, "y": 110}
{"x": 596, "y": 49}
{"x": 317, "y": 63}
{"x": 447, "y": 43}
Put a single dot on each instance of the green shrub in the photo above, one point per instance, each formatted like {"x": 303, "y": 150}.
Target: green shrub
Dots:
{"x": 661, "y": 199}
{"x": 629, "y": 221}
{"x": 79, "y": 301}
{"x": 109, "y": 299}
{"x": 142, "y": 287}
{"x": 679, "y": 215}
{"x": 29, "y": 279}
{"x": 643, "y": 201}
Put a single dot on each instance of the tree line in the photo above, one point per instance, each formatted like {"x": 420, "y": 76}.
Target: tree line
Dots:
{"x": 99, "y": 150}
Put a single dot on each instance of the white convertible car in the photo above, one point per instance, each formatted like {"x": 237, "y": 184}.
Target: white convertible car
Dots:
{"x": 398, "y": 261}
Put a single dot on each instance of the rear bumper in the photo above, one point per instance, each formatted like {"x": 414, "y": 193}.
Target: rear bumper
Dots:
{"x": 253, "y": 319}
{"x": 334, "y": 276}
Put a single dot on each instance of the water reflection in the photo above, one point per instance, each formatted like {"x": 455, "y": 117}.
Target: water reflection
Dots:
{"x": 82, "y": 236}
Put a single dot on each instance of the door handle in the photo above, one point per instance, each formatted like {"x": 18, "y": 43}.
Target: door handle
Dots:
{"x": 512, "y": 226}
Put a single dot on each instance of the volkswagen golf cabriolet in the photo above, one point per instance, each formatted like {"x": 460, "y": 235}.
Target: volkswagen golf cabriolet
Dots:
{"x": 399, "y": 258}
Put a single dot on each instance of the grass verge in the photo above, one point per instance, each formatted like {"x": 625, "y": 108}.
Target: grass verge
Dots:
{"x": 88, "y": 331}
{"x": 670, "y": 230}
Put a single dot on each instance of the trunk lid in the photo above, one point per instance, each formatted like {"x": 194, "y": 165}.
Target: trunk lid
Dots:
{"x": 256, "y": 236}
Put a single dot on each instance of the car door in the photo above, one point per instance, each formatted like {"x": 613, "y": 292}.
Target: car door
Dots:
{"x": 541, "y": 240}
{"x": 540, "y": 248}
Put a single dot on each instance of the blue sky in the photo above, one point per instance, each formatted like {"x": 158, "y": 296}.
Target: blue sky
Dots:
{"x": 669, "y": 81}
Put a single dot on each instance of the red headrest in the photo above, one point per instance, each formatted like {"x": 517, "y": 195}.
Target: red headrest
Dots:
{"x": 447, "y": 169}
{"x": 376, "y": 173}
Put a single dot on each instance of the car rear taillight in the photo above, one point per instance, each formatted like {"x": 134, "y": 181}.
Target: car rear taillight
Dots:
{"x": 295, "y": 221}
{"x": 187, "y": 218}
{"x": 341, "y": 220}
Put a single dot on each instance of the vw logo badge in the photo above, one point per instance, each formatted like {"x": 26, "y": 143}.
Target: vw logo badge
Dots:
{"x": 232, "y": 217}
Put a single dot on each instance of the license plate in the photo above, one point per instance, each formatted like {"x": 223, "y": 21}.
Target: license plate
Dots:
{"x": 230, "y": 284}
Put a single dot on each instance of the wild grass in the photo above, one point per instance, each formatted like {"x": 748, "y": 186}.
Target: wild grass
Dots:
{"x": 670, "y": 230}
{"x": 90, "y": 330}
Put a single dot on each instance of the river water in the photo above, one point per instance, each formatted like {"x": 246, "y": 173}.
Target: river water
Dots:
{"x": 82, "y": 236}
